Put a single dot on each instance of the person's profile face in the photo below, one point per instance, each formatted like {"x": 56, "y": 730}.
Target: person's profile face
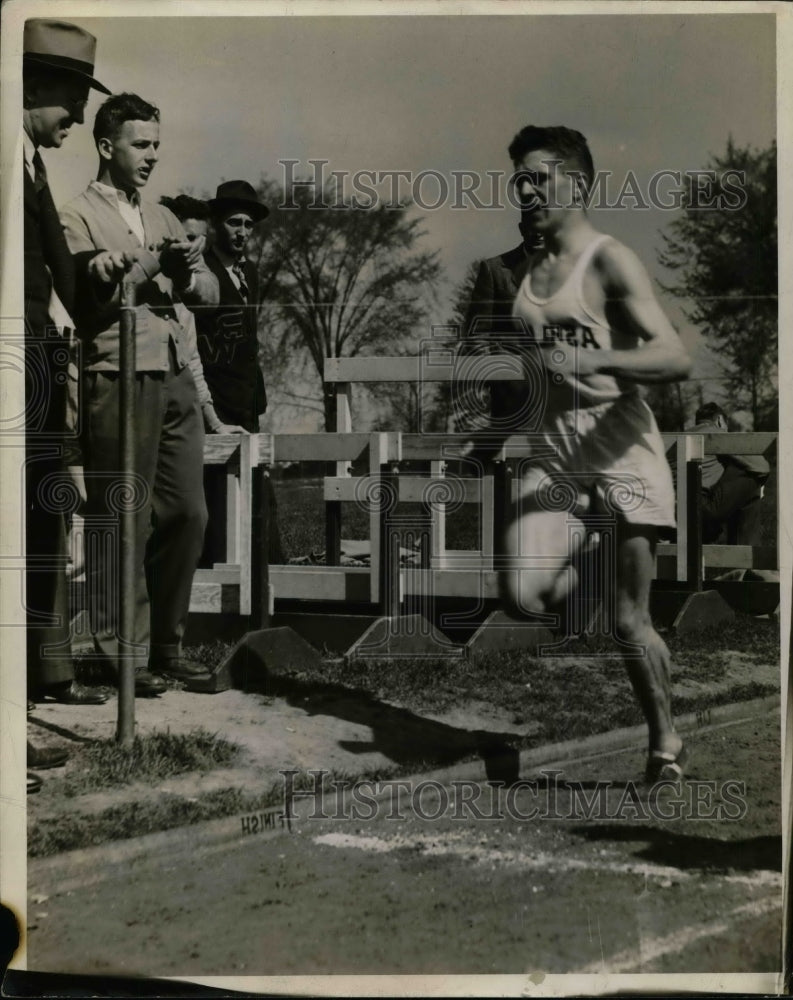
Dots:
{"x": 132, "y": 154}
{"x": 233, "y": 230}
{"x": 53, "y": 107}
{"x": 195, "y": 229}
{"x": 544, "y": 188}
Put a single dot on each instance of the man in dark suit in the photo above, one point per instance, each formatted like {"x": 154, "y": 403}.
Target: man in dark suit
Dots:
{"x": 732, "y": 487}
{"x": 228, "y": 344}
{"x": 58, "y": 64}
{"x": 227, "y": 334}
{"x": 490, "y": 328}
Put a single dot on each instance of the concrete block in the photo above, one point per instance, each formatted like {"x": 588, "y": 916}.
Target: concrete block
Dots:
{"x": 499, "y": 633}
{"x": 702, "y": 610}
{"x": 406, "y": 635}
{"x": 262, "y": 655}
{"x": 332, "y": 631}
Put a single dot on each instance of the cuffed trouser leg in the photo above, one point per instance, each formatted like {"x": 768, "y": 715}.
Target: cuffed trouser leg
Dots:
{"x": 170, "y": 511}
{"x": 49, "y": 656}
{"x": 179, "y": 516}
{"x": 103, "y": 481}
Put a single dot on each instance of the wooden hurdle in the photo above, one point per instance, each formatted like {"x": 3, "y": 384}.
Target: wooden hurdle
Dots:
{"x": 369, "y": 604}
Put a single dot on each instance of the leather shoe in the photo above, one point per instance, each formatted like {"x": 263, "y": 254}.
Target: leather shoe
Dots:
{"x": 76, "y": 694}
{"x": 182, "y": 670}
{"x": 148, "y": 686}
{"x": 34, "y": 783}
{"x": 43, "y": 759}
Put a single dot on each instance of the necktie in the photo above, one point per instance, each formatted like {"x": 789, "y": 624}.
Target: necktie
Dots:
{"x": 53, "y": 243}
{"x": 40, "y": 171}
{"x": 239, "y": 271}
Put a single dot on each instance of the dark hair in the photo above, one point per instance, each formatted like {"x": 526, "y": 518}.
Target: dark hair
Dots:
{"x": 122, "y": 108}
{"x": 184, "y": 207}
{"x": 709, "y": 412}
{"x": 566, "y": 143}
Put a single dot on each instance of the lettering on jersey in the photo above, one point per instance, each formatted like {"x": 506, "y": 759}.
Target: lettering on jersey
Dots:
{"x": 573, "y": 334}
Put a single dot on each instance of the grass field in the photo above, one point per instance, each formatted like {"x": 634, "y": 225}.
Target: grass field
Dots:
{"x": 586, "y": 692}
{"x": 537, "y": 700}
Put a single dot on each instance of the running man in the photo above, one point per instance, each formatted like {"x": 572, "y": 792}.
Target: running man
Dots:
{"x": 588, "y": 304}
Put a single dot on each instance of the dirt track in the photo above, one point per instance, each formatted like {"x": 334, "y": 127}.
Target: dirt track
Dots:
{"x": 465, "y": 895}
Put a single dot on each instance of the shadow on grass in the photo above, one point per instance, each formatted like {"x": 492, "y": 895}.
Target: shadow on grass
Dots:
{"x": 68, "y": 734}
{"x": 680, "y": 850}
{"x": 407, "y": 739}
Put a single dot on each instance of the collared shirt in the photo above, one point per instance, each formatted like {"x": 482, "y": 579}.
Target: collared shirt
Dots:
{"x": 229, "y": 264}
{"x": 30, "y": 152}
{"x": 127, "y": 206}
{"x": 57, "y": 310}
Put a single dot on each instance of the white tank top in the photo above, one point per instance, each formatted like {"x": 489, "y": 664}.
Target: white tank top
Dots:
{"x": 565, "y": 317}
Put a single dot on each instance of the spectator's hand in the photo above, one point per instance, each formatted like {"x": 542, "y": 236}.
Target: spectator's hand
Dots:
{"x": 197, "y": 246}
{"x": 228, "y": 429}
{"x": 110, "y": 266}
{"x": 179, "y": 260}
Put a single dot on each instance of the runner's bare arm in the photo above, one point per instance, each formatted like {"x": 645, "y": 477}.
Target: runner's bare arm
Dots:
{"x": 629, "y": 292}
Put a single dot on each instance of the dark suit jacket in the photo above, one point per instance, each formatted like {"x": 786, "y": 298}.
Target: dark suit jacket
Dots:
{"x": 47, "y": 261}
{"x": 47, "y": 257}
{"x": 489, "y": 327}
{"x": 229, "y": 346}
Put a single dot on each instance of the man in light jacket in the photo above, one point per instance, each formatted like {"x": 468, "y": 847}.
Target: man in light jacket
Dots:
{"x": 148, "y": 241}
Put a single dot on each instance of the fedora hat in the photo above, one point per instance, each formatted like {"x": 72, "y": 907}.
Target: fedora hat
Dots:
{"x": 62, "y": 46}
{"x": 238, "y": 194}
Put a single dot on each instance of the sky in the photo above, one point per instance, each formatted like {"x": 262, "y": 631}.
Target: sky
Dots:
{"x": 445, "y": 93}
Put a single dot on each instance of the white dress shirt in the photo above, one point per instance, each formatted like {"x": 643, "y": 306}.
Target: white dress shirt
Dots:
{"x": 128, "y": 207}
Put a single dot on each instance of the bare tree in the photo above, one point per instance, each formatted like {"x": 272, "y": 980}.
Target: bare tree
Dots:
{"x": 341, "y": 280}
{"x": 724, "y": 248}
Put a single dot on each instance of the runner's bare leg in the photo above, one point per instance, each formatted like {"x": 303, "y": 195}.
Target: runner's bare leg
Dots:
{"x": 649, "y": 672}
{"x": 540, "y": 545}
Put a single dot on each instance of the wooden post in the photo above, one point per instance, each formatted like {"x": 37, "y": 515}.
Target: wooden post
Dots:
{"x": 232, "y": 514}
{"x": 694, "y": 570}
{"x": 260, "y": 542}
{"x": 333, "y": 532}
{"x": 487, "y": 519}
{"x": 502, "y": 503}
{"x": 388, "y": 563}
{"x": 689, "y": 446}
{"x": 436, "y": 556}
{"x": 333, "y": 507}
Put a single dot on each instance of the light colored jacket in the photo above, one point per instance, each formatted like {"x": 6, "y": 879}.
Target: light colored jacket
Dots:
{"x": 92, "y": 223}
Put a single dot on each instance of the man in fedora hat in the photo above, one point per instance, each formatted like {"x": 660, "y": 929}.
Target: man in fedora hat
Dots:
{"x": 228, "y": 342}
{"x": 169, "y": 446}
{"x": 58, "y": 66}
{"x": 227, "y": 335}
